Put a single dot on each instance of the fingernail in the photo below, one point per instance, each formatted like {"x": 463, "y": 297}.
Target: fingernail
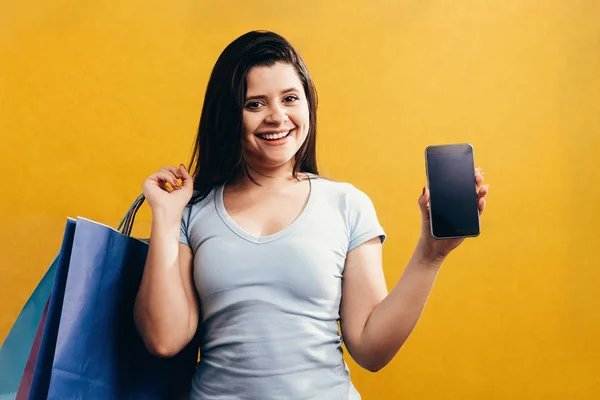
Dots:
{"x": 423, "y": 191}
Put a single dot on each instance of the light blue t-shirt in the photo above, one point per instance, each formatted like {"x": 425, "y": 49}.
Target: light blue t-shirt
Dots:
{"x": 270, "y": 306}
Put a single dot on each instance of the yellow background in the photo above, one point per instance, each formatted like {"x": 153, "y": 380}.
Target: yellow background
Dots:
{"x": 96, "y": 95}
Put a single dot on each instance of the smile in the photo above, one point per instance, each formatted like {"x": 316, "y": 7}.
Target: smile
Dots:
{"x": 274, "y": 136}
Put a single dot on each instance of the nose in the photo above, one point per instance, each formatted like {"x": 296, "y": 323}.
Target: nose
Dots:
{"x": 277, "y": 115}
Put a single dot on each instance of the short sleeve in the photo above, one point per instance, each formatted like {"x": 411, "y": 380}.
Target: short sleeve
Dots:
{"x": 185, "y": 220}
{"x": 363, "y": 223}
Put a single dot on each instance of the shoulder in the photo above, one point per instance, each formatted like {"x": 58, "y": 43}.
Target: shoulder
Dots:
{"x": 348, "y": 196}
{"x": 199, "y": 204}
{"x": 358, "y": 211}
{"x": 201, "y": 199}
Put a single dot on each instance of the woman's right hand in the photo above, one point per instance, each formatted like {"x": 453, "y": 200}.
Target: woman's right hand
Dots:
{"x": 163, "y": 190}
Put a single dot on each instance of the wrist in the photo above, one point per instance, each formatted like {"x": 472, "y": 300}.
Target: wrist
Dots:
{"x": 166, "y": 215}
{"x": 165, "y": 221}
{"x": 427, "y": 256}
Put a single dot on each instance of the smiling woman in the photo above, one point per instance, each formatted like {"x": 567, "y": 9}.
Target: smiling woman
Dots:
{"x": 263, "y": 255}
{"x": 235, "y": 100}
{"x": 276, "y": 122}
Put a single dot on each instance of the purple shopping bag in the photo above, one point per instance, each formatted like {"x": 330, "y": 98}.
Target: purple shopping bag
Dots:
{"x": 27, "y": 378}
{"x": 98, "y": 353}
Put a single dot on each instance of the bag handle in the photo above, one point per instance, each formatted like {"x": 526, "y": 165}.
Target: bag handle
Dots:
{"x": 126, "y": 223}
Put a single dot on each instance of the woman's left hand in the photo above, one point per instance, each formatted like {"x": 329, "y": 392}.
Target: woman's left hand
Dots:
{"x": 436, "y": 250}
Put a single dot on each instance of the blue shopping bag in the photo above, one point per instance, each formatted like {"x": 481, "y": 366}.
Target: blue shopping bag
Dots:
{"x": 15, "y": 349}
{"x": 99, "y": 353}
{"x": 40, "y": 380}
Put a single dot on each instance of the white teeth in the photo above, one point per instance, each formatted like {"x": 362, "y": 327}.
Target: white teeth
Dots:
{"x": 274, "y": 136}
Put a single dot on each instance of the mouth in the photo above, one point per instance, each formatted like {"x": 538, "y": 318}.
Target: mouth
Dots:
{"x": 274, "y": 136}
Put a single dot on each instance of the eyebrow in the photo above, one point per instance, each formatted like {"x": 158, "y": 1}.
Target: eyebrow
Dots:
{"x": 292, "y": 89}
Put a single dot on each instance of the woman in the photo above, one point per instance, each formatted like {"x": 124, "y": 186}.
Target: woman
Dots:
{"x": 263, "y": 255}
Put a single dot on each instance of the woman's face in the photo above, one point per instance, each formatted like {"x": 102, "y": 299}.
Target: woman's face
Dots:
{"x": 276, "y": 116}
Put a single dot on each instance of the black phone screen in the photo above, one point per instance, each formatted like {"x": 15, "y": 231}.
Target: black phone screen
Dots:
{"x": 453, "y": 202}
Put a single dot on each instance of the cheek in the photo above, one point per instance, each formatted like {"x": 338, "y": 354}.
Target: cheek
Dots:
{"x": 250, "y": 123}
{"x": 249, "y": 127}
{"x": 302, "y": 119}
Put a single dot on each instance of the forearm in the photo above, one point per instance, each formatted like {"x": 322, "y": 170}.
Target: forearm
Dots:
{"x": 162, "y": 309}
{"x": 392, "y": 321}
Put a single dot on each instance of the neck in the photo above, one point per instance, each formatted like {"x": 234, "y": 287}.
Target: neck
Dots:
{"x": 268, "y": 178}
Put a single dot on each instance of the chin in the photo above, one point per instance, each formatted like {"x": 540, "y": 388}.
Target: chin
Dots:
{"x": 273, "y": 158}
{"x": 278, "y": 163}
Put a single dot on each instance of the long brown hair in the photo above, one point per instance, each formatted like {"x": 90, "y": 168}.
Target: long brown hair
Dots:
{"x": 218, "y": 155}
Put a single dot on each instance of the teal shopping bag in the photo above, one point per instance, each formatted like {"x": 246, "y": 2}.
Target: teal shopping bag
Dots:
{"x": 14, "y": 352}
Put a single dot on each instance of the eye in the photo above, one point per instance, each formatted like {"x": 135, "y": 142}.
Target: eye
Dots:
{"x": 253, "y": 105}
{"x": 291, "y": 98}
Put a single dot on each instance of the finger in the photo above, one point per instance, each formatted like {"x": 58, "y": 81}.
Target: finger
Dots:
{"x": 173, "y": 170}
{"x": 175, "y": 182}
{"x": 479, "y": 176}
{"x": 424, "y": 198}
{"x": 177, "y": 176}
{"x": 483, "y": 191}
{"x": 165, "y": 176}
{"x": 424, "y": 203}
{"x": 186, "y": 178}
{"x": 479, "y": 179}
{"x": 163, "y": 186}
{"x": 481, "y": 205}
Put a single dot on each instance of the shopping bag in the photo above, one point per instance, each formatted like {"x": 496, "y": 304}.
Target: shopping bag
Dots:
{"x": 99, "y": 353}
{"x": 15, "y": 349}
{"x": 40, "y": 381}
{"x": 44, "y": 337}
{"x": 25, "y": 385}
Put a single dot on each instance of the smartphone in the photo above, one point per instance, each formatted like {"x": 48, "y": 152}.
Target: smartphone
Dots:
{"x": 453, "y": 203}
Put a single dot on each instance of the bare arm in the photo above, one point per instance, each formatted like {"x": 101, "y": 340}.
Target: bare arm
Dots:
{"x": 166, "y": 309}
{"x": 375, "y": 324}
